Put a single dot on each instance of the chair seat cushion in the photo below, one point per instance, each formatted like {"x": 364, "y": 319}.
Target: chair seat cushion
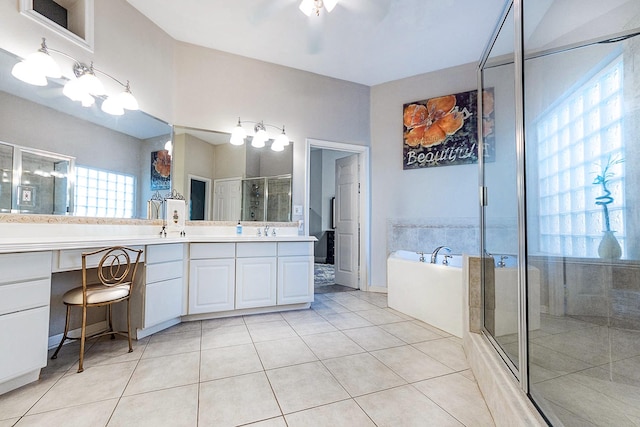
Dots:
{"x": 97, "y": 294}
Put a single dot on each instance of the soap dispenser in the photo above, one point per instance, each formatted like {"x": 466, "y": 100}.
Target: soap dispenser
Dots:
{"x": 239, "y": 229}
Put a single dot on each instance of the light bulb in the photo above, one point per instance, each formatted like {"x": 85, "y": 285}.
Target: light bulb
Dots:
{"x": 112, "y": 106}
{"x": 306, "y": 7}
{"x": 169, "y": 147}
{"x": 91, "y": 84}
{"x": 44, "y": 63}
{"x": 276, "y": 146}
{"x": 259, "y": 139}
{"x": 238, "y": 134}
{"x": 282, "y": 139}
{"x": 329, "y": 4}
{"x": 22, "y": 71}
{"x": 127, "y": 100}
{"x": 87, "y": 100}
{"x": 74, "y": 91}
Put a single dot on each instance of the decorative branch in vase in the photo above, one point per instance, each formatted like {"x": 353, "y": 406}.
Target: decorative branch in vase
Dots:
{"x": 609, "y": 246}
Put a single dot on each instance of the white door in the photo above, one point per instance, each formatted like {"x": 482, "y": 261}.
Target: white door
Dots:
{"x": 227, "y": 203}
{"x": 211, "y": 285}
{"x": 346, "y": 214}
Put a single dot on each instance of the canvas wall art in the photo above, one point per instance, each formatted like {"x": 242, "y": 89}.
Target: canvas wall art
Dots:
{"x": 160, "y": 170}
{"x": 443, "y": 131}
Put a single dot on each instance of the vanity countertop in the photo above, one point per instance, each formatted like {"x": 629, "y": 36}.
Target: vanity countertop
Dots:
{"x": 30, "y": 244}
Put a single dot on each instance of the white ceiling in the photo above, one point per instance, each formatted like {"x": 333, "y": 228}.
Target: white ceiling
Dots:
{"x": 363, "y": 41}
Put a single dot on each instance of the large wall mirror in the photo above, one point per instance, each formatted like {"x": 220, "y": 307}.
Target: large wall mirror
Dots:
{"x": 112, "y": 154}
{"x": 224, "y": 182}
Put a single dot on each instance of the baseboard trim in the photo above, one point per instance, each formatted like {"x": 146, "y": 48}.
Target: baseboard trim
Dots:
{"x": 91, "y": 329}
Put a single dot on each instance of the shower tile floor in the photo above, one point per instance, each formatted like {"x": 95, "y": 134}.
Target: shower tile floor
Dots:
{"x": 348, "y": 361}
{"x": 585, "y": 373}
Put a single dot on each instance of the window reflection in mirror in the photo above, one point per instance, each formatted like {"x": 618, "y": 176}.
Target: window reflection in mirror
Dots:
{"x": 42, "y": 118}
{"x": 249, "y": 184}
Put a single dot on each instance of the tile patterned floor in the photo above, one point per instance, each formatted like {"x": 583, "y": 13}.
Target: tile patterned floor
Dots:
{"x": 584, "y": 374}
{"x": 347, "y": 361}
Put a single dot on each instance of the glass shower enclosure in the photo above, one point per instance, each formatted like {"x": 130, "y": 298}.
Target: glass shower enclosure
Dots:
{"x": 562, "y": 202}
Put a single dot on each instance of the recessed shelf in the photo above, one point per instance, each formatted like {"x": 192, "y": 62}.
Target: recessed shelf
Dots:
{"x": 79, "y": 18}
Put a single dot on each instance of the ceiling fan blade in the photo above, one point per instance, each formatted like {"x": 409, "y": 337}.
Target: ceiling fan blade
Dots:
{"x": 315, "y": 35}
{"x": 265, "y": 9}
{"x": 374, "y": 9}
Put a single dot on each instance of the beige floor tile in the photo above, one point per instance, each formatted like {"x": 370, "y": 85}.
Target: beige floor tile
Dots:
{"x": 67, "y": 357}
{"x": 225, "y": 321}
{"x": 373, "y": 338}
{"x": 225, "y": 337}
{"x": 181, "y": 328}
{"x": 17, "y": 402}
{"x": 274, "y": 330}
{"x": 468, "y": 374}
{"x": 108, "y": 351}
{"x": 9, "y": 422}
{"x": 404, "y": 406}
{"x": 167, "y": 344}
{"x": 272, "y": 422}
{"x": 335, "y": 306}
{"x": 345, "y": 413}
{"x": 409, "y": 332}
{"x": 599, "y": 379}
{"x": 379, "y": 316}
{"x": 313, "y": 326}
{"x": 332, "y": 344}
{"x": 411, "y": 364}
{"x": 362, "y": 373}
{"x": 236, "y": 400}
{"x": 175, "y": 407}
{"x": 354, "y": 304}
{"x": 305, "y": 386}
{"x": 459, "y": 397}
{"x": 560, "y": 324}
{"x": 377, "y": 299}
{"x": 578, "y": 398}
{"x": 300, "y": 316}
{"x": 261, "y": 318}
{"x": 89, "y": 415}
{"x": 347, "y": 321}
{"x": 399, "y": 314}
{"x": 285, "y": 352}
{"x": 226, "y": 362}
{"x": 446, "y": 351}
{"x": 96, "y": 383}
{"x": 436, "y": 330}
{"x": 164, "y": 372}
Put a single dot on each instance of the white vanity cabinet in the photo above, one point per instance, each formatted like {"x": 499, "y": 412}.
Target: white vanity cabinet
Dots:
{"x": 212, "y": 277}
{"x": 25, "y": 288}
{"x": 163, "y": 283}
{"x": 295, "y": 272}
{"x": 256, "y": 268}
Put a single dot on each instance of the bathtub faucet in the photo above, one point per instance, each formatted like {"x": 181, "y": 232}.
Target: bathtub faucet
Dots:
{"x": 422, "y": 259}
{"x": 434, "y": 254}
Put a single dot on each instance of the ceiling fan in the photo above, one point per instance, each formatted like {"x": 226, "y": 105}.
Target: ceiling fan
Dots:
{"x": 315, "y": 6}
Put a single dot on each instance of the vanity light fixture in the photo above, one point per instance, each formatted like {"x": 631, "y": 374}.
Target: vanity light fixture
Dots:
{"x": 83, "y": 88}
{"x": 314, "y": 6}
{"x": 238, "y": 135}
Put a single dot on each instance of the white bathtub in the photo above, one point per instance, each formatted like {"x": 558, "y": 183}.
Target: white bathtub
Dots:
{"x": 429, "y": 292}
{"x": 433, "y": 293}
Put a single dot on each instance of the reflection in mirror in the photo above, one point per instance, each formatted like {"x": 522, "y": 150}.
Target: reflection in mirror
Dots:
{"x": 225, "y": 182}
{"x": 112, "y": 151}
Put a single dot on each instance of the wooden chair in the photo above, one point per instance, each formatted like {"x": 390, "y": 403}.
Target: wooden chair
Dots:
{"x": 116, "y": 274}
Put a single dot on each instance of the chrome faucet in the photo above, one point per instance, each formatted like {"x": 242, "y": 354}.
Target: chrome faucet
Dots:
{"x": 422, "y": 259}
{"x": 445, "y": 261}
{"x": 434, "y": 254}
{"x": 502, "y": 264}
{"x": 266, "y": 230}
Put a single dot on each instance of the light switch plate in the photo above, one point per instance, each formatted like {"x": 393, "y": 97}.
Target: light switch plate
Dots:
{"x": 297, "y": 209}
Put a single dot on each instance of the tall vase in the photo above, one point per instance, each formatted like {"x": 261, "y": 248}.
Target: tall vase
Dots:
{"x": 609, "y": 248}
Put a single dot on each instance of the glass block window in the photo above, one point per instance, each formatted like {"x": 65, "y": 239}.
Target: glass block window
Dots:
{"x": 104, "y": 194}
{"x": 576, "y": 138}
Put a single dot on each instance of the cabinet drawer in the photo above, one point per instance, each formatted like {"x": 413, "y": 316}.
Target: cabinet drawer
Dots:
{"x": 212, "y": 250}
{"x": 257, "y": 249}
{"x": 24, "y": 266}
{"x": 25, "y": 335}
{"x": 164, "y": 271}
{"x": 295, "y": 248}
{"x": 164, "y": 253}
{"x": 71, "y": 259}
{"x": 163, "y": 301}
{"x": 23, "y": 295}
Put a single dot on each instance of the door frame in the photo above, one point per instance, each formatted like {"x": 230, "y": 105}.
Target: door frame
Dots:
{"x": 208, "y": 183}
{"x": 364, "y": 200}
